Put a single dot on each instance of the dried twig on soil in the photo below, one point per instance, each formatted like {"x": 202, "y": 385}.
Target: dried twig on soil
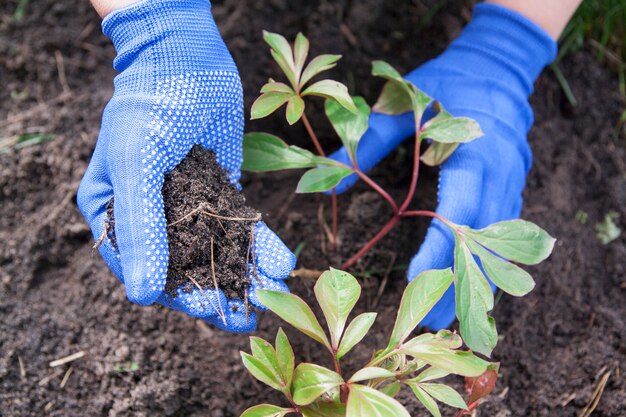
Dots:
{"x": 66, "y": 377}
{"x": 219, "y": 303}
{"x": 22, "y": 368}
{"x": 58, "y": 56}
{"x": 67, "y": 359}
{"x": 306, "y": 273}
{"x": 595, "y": 397}
{"x": 202, "y": 210}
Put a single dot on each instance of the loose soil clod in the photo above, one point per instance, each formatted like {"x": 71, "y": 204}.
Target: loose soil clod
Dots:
{"x": 209, "y": 227}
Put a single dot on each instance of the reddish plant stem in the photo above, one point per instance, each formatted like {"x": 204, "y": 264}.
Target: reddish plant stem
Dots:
{"x": 378, "y": 189}
{"x": 382, "y": 233}
{"x": 424, "y": 213}
{"x": 333, "y": 198}
{"x": 415, "y": 174}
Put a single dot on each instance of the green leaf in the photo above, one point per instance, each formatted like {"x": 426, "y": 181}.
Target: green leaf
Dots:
{"x": 266, "y": 410}
{"x": 516, "y": 240}
{"x": 261, "y": 371}
{"x": 333, "y": 90}
{"x": 437, "y": 153}
{"x": 265, "y": 352}
{"x": 474, "y": 299}
{"x": 391, "y": 389}
{"x": 418, "y": 99}
{"x": 282, "y": 54}
{"x": 371, "y": 373}
{"x": 452, "y": 361}
{"x": 430, "y": 374}
{"x": 324, "y": 409}
{"x": 607, "y": 230}
{"x": 322, "y": 179}
{"x": 367, "y": 402}
{"x": 418, "y": 299}
{"x": 425, "y": 399}
{"x": 349, "y": 125}
{"x": 285, "y": 357}
{"x": 508, "y": 277}
{"x": 264, "y": 152}
{"x": 394, "y": 99}
{"x": 445, "y": 394}
{"x": 444, "y": 338}
{"x": 300, "y": 52}
{"x": 295, "y": 108}
{"x": 276, "y": 87}
{"x": 337, "y": 292}
{"x": 355, "y": 332}
{"x": 444, "y": 128}
{"x": 311, "y": 381}
{"x": 268, "y": 103}
{"x": 318, "y": 65}
{"x": 294, "y": 311}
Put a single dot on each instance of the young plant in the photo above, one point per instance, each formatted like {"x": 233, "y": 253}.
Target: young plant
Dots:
{"x": 478, "y": 255}
{"x": 414, "y": 362}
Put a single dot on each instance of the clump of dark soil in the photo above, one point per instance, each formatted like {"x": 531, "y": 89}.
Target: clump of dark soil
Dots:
{"x": 210, "y": 229}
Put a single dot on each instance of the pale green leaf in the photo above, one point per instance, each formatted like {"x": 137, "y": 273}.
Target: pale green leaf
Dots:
{"x": 264, "y": 152}
{"x": 386, "y": 71}
{"x": 391, "y": 389}
{"x": 337, "y": 292}
{"x": 311, "y": 381}
{"x": 265, "y": 352}
{"x": 452, "y": 361}
{"x": 349, "y": 125}
{"x": 266, "y": 410}
{"x": 444, "y": 128}
{"x": 322, "y": 179}
{"x": 300, "y": 52}
{"x": 295, "y": 108}
{"x": 426, "y": 400}
{"x": 372, "y": 372}
{"x": 418, "y": 99}
{"x": 516, "y": 240}
{"x": 508, "y": 277}
{"x": 418, "y": 299}
{"x": 318, "y": 65}
{"x": 445, "y": 394}
{"x": 294, "y": 311}
{"x": 333, "y": 90}
{"x": 261, "y": 372}
{"x": 276, "y": 87}
{"x": 437, "y": 153}
{"x": 324, "y": 409}
{"x": 268, "y": 103}
{"x": 355, "y": 332}
{"x": 367, "y": 402}
{"x": 285, "y": 357}
{"x": 394, "y": 99}
{"x": 474, "y": 299}
{"x": 431, "y": 374}
{"x": 282, "y": 54}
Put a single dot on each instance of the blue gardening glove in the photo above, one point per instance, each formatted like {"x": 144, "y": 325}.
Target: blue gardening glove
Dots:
{"x": 486, "y": 74}
{"x": 178, "y": 86}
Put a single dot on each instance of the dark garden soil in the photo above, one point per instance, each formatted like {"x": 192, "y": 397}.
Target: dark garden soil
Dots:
{"x": 57, "y": 298}
{"x": 210, "y": 228}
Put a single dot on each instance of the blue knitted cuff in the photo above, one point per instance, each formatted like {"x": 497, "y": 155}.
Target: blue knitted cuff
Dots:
{"x": 504, "y": 45}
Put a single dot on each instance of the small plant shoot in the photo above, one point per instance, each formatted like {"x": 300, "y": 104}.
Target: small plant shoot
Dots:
{"x": 479, "y": 256}
{"x": 418, "y": 363}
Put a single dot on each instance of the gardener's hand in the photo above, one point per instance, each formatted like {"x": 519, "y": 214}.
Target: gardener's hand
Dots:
{"x": 178, "y": 86}
{"x": 486, "y": 74}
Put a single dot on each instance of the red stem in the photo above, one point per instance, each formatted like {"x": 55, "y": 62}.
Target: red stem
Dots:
{"x": 415, "y": 174}
{"x": 425, "y": 213}
{"x": 333, "y": 198}
{"x": 377, "y": 188}
{"x": 382, "y": 233}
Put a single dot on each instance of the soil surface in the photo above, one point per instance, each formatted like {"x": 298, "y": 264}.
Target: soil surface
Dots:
{"x": 56, "y": 298}
{"x": 208, "y": 234}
